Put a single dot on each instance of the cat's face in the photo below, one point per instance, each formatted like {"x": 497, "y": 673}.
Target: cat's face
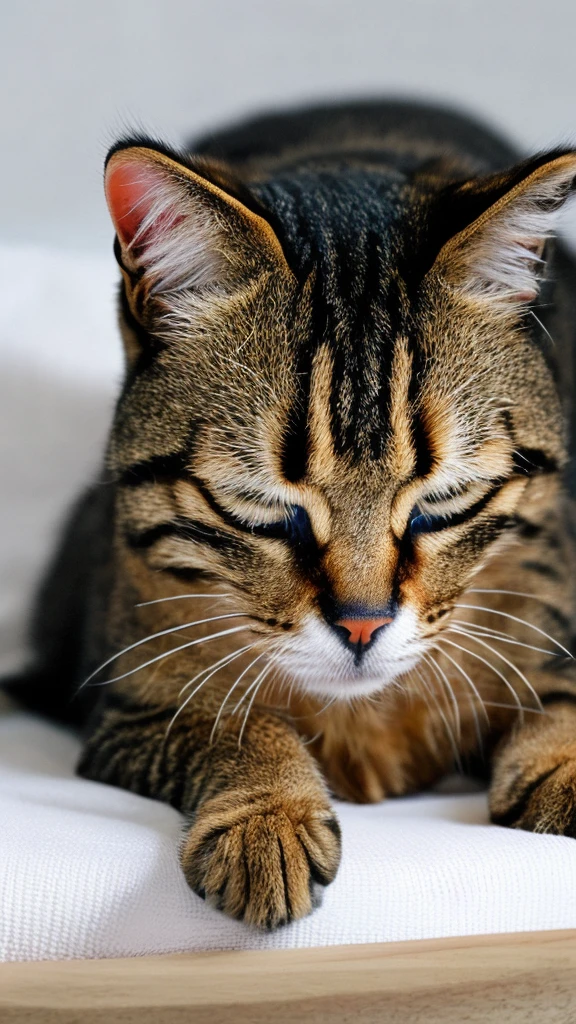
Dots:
{"x": 344, "y": 462}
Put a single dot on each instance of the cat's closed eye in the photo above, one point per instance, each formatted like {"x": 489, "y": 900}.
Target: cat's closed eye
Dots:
{"x": 295, "y": 527}
{"x": 425, "y": 522}
{"x": 289, "y": 523}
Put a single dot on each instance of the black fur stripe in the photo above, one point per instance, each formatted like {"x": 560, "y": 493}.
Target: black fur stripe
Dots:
{"x": 316, "y": 874}
{"x": 477, "y": 508}
{"x": 448, "y": 521}
{"x": 562, "y": 621}
{"x": 334, "y": 826}
{"x": 543, "y": 569}
{"x": 184, "y": 572}
{"x": 424, "y": 460}
{"x": 529, "y": 461}
{"x": 184, "y": 529}
{"x": 558, "y": 697}
{"x": 216, "y": 507}
{"x": 284, "y": 869}
{"x": 156, "y": 469}
{"x": 295, "y": 444}
{"x": 190, "y": 529}
{"x": 526, "y": 529}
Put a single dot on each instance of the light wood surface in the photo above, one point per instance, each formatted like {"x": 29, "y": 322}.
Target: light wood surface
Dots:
{"x": 494, "y": 979}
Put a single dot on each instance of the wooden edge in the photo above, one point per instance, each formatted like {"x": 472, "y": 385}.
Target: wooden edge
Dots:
{"x": 511, "y": 978}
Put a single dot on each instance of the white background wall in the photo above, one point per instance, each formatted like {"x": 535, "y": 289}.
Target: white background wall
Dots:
{"x": 75, "y": 74}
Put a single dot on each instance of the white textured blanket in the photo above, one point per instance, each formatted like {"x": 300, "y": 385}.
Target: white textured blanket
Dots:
{"x": 87, "y": 870}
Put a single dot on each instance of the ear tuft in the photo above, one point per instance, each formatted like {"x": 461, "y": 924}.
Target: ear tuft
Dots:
{"x": 162, "y": 224}
{"x": 500, "y": 257}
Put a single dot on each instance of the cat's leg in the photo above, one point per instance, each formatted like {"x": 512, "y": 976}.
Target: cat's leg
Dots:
{"x": 261, "y": 838}
{"x": 534, "y": 771}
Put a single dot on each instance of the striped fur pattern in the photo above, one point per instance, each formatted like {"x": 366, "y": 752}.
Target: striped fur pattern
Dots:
{"x": 341, "y": 405}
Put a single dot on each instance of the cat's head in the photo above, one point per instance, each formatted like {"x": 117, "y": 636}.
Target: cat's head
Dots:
{"x": 335, "y": 402}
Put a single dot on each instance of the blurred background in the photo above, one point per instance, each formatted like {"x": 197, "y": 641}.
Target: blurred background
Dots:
{"x": 75, "y": 74}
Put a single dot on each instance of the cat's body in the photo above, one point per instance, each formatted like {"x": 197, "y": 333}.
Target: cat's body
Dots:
{"x": 345, "y": 425}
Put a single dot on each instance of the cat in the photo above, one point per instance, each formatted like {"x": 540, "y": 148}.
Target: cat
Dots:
{"x": 333, "y": 549}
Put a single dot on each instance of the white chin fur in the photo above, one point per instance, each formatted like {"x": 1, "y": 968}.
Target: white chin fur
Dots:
{"x": 318, "y": 660}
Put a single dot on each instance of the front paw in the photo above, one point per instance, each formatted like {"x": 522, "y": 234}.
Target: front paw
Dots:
{"x": 263, "y": 859}
{"x": 537, "y": 800}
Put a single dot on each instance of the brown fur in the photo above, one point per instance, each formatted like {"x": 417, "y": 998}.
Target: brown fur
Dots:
{"x": 420, "y": 372}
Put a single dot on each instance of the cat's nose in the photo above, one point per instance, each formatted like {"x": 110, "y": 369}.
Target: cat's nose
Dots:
{"x": 356, "y": 625}
{"x": 362, "y": 631}
{"x": 359, "y": 633}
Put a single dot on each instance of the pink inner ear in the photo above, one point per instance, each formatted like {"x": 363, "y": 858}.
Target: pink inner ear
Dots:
{"x": 131, "y": 191}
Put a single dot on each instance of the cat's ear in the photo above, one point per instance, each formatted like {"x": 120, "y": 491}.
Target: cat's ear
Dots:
{"x": 178, "y": 229}
{"x": 499, "y": 255}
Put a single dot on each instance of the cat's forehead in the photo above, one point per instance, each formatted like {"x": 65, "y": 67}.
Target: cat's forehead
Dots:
{"x": 355, "y": 429}
{"x": 320, "y": 213}
{"x": 340, "y": 393}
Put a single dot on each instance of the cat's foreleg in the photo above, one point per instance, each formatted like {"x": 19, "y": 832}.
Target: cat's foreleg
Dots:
{"x": 534, "y": 771}
{"x": 261, "y": 839}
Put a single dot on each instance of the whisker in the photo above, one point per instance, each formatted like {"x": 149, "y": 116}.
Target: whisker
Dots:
{"x": 249, "y": 690}
{"x": 439, "y": 673}
{"x": 477, "y": 726}
{"x": 505, "y": 638}
{"x": 474, "y": 654}
{"x": 470, "y": 698}
{"x": 177, "y": 597}
{"x": 326, "y": 706}
{"x": 308, "y": 743}
{"x": 173, "y": 650}
{"x": 215, "y": 669}
{"x": 497, "y": 672}
{"x": 267, "y": 668}
{"x": 216, "y": 664}
{"x": 250, "y": 703}
{"x": 515, "y": 618}
{"x": 268, "y": 689}
{"x": 230, "y": 692}
{"x": 486, "y": 629}
{"x": 513, "y": 707}
{"x": 465, "y": 675}
{"x": 290, "y": 693}
{"x": 314, "y": 714}
{"x": 447, "y": 726}
{"x": 510, "y": 665}
{"x": 544, "y": 328}
{"x": 513, "y": 593}
{"x": 478, "y": 729}
{"x": 154, "y": 636}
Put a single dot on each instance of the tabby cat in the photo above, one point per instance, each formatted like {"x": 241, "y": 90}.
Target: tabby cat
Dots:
{"x": 333, "y": 548}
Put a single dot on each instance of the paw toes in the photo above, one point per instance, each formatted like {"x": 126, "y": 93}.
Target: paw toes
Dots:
{"x": 265, "y": 869}
{"x": 279, "y": 871}
{"x": 321, "y": 844}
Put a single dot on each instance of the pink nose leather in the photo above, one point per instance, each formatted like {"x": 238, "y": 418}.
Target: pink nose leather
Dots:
{"x": 362, "y": 630}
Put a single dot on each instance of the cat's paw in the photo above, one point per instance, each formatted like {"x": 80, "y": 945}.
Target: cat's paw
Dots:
{"x": 262, "y": 859}
{"x": 538, "y": 800}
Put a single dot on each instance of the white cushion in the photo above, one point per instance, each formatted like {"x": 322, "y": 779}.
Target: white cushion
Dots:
{"x": 91, "y": 871}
